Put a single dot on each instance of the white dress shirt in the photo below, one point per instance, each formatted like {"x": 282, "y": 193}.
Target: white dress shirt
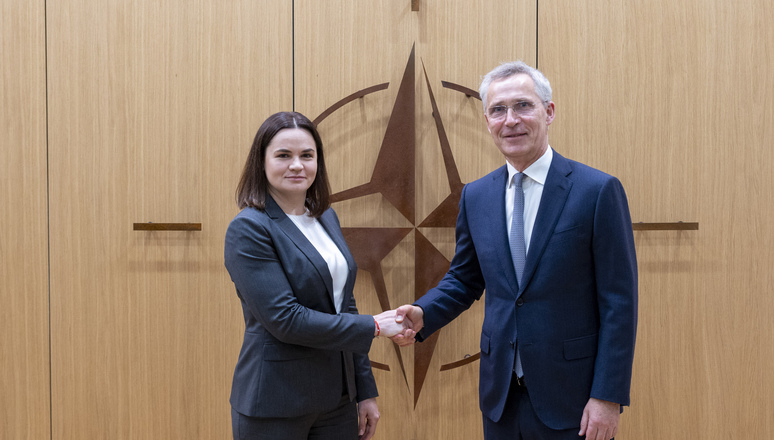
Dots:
{"x": 532, "y": 185}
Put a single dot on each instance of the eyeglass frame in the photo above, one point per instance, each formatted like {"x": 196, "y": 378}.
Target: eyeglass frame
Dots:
{"x": 520, "y": 112}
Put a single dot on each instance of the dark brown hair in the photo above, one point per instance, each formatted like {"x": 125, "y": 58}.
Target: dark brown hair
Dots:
{"x": 254, "y": 186}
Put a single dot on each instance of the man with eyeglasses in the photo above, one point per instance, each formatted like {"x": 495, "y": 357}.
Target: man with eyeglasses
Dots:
{"x": 550, "y": 240}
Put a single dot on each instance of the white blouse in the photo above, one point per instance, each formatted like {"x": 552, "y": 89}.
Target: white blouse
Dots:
{"x": 337, "y": 264}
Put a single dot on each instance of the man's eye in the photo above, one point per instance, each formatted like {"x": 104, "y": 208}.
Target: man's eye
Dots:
{"x": 498, "y": 109}
{"x": 523, "y": 104}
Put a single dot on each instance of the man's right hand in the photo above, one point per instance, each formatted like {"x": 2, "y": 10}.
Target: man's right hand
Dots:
{"x": 414, "y": 317}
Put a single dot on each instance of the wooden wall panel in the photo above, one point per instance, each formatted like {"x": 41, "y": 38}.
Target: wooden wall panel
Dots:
{"x": 344, "y": 47}
{"x": 154, "y": 106}
{"x": 676, "y": 99}
{"x": 24, "y": 352}
{"x": 152, "y": 110}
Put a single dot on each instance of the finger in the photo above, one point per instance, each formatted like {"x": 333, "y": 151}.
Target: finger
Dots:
{"x": 370, "y": 431}
{"x": 398, "y": 339}
{"x": 404, "y": 342}
{"x": 584, "y": 424}
{"x": 400, "y": 313}
{"x": 361, "y": 424}
{"x": 403, "y": 312}
{"x": 597, "y": 431}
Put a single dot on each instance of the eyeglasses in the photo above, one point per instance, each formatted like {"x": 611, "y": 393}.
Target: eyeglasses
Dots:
{"x": 521, "y": 108}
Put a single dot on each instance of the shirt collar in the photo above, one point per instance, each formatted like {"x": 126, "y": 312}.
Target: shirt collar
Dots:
{"x": 538, "y": 171}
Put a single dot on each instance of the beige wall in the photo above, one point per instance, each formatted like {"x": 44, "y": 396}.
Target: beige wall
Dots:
{"x": 24, "y": 320}
{"x": 121, "y": 112}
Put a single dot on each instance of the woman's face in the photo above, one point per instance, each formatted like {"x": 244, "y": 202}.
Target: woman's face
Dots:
{"x": 291, "y": 164}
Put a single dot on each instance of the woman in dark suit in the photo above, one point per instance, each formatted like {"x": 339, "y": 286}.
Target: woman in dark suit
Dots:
{"x": 303, "y": 370}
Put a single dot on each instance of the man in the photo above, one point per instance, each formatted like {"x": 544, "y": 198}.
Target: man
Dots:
{"x": 551, "y": 241}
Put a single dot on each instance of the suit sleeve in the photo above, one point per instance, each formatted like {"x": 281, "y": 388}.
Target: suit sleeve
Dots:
{"x": 615, "y": 266}
{"x": 254, "y": 265}
{"x": 364, "y": 376}
{"x": 462, "y": 285}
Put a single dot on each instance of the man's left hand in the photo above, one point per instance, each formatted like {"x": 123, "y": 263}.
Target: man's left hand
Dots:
{"x": 600, "y": 420}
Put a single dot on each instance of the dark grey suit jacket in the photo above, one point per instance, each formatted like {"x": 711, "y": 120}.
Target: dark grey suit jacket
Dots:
{"x": 297, "y": 352}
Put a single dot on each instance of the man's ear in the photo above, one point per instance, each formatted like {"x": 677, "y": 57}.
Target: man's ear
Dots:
{"x": 550, "y": 113}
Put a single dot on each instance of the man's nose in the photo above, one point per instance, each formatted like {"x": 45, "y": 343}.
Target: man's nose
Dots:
{"x": 511, "y": 117}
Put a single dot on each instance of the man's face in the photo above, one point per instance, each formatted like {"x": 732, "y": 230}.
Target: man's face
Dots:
{"x": 518, "y": 120}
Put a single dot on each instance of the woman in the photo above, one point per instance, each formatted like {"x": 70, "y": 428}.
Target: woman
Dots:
{"x": 303, "y": 370}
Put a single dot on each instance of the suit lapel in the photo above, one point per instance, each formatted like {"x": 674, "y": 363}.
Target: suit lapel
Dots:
{"x": 331, "y": 226}
{"x": 552, "y": 202}
{"x": 299, "y": 239}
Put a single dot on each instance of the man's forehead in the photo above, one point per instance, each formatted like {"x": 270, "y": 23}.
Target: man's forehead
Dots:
{"x": 513, "y": 98}
{"x": 519, "y": 80}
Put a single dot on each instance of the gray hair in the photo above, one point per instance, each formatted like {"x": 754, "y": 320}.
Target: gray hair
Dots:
{"x": 507, "y": 70}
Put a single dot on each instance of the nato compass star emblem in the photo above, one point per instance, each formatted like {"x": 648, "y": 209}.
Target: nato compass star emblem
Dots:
{"x": 394, "y": 178}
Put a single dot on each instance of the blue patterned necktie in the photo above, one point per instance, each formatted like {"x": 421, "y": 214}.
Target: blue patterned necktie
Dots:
{"x": 518, "y": 245}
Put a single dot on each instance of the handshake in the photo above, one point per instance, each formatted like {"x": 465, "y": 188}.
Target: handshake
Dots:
{"x": 400, "y": 325}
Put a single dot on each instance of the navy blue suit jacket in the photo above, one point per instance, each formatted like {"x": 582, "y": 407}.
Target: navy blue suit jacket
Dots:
{"x": 576, "y": 310}
{"x": 297, "y": 351}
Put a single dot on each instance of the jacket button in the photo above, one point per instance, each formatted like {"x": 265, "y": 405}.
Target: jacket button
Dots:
{"x": 519, "y": 302}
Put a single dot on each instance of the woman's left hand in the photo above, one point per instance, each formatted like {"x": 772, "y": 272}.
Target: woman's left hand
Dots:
{"x": 368, "y": 415}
